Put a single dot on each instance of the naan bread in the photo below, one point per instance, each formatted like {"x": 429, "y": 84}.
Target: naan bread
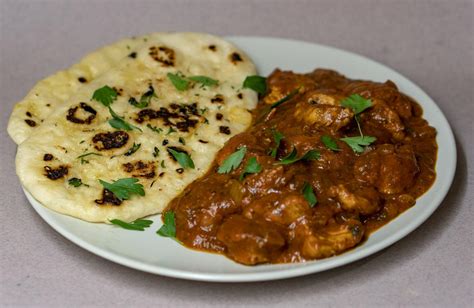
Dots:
{"x": 46, "y": 95}
{"x": 198, "y": 120}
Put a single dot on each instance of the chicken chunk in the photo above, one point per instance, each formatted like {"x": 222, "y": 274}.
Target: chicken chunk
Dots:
{"x": 334, "y": 239}
{"x": 390, "y": 169}
{"x": 326, "y": 113}
{"x": 364, "y": 201}
{"x": 381, "y": 115}
{"x": 281, "y": 83}
{"x": 249, "y": 242}
{"x": 283, "y": 210}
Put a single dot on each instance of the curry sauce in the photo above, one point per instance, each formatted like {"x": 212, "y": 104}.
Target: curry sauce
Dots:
{"x": 294, "y": 207}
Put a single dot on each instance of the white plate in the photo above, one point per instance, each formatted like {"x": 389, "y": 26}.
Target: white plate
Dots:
{"x": 151, "y": 253}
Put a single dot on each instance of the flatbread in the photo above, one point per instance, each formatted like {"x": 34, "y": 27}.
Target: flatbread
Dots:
{"x": 47, "y": 94}
{"x": 198, "y": 120}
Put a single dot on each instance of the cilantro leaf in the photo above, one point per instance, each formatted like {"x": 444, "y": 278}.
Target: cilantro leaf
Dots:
{"x": 309, "y": 195}
{"x": 330, "y": 143}
{"x": 168, "y": 229}
{"x": 204, "y": 81}
{"x": 133, "y": 149}
{"x": 76, "y": 182}
{"x": 145, "y": 99}
{"x": 233, "y": 161}
{"x": 256, "y": 83}
{"x": 124, "y": 188}
{"x": 118, "y": 122}
{"x": 277, "y": 136}
{"x": 357, "y": 103}
{"x": 183, "y": 158}
{"x": 357, "y": 143}
{"x": 285, "y": 99}
{"x": 154, "y": 128}
{"x": 291, "y": 158}
{"x": 105, "y": 95}
{"x": 84, "y": 161}
{"x": 137, "y": 225}
{"x": 180, "y": 83}
{"x": 171, "y": 130}
{"x": 251, "y": 167}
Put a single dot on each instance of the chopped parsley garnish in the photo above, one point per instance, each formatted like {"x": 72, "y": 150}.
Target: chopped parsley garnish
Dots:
{"x": 182, "y": 141}
{"x": 358, "y": 143}
{"x": 163, "y": 164}
{"x": 204, "y": 81}
{"x": 256, "y": 83}
{"x": 203, "y": 110}
{"x": 309, "y": 195}
{"x": 76, "y": 182}
{"x": 233, "y": 161}
{"x": 171, "y": 130}
{"x": 137, "y": 225}
{"x": 291, "y": 158}
{"x": 251, "y": 167}
{"x": 285, "y": 99}
{"x": 118, "y": 122}
{"x": 330, "y": 143}
{"x": 105, "y": 95}
{"x": 156, "y": 152}
{"x": 178, "y": 81}
{"x": 124, "y": 188}
{"x": 154, "y": 128}
{"x": 277, "y": 137}
{"x": 84, "y": 161}
{"x": 133, "y": 149}
{"x": 357, "y": 103}
{"x": 145, "y": 99}
{"x": 181, "y": 82}
{"x": 183, "y": 159}
{"x": 169, "y": 225}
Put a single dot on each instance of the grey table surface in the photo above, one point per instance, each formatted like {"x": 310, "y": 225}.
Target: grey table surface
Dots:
{"x": 430, "y": 42}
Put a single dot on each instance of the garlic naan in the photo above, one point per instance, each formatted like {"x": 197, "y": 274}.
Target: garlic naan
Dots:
{"x": 194, "y": 122}
{"x": 47, "y": 94}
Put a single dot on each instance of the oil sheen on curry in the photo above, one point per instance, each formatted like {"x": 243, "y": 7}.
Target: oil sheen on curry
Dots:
{"x": 327, "y": 161}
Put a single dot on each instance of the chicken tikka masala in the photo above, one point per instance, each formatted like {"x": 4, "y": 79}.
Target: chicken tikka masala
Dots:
{"x": 327, "y": 161}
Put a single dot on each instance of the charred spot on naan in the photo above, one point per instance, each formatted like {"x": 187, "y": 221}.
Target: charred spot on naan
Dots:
{"x": 162, "y": 54}
{"x": 110, "y": 140}
{"x": 218, "y": 99}
{"x": 224, "y": 130}
{"x": 85, "y": 110}
{"x": 48, "y": 157}
{"x": 140, "y": 169}
{"x": 108, "y": 197}
{"x": 235, "y": 58}
{"x": 182, "y": 117}
{"x": 30, "y": 123}
{"x": 56, "y": 173}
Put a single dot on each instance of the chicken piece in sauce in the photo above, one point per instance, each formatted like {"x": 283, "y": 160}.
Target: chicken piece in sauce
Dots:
{"x": 306, "y": 209}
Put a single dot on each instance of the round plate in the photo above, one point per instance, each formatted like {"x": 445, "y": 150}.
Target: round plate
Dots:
{"x": 151, "y": 253}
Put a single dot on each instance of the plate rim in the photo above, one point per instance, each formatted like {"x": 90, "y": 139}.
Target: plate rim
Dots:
{"x": 299, "y": 269}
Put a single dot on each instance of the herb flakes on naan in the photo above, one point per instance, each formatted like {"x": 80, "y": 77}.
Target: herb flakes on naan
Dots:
{"x": 133, "y": 126}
